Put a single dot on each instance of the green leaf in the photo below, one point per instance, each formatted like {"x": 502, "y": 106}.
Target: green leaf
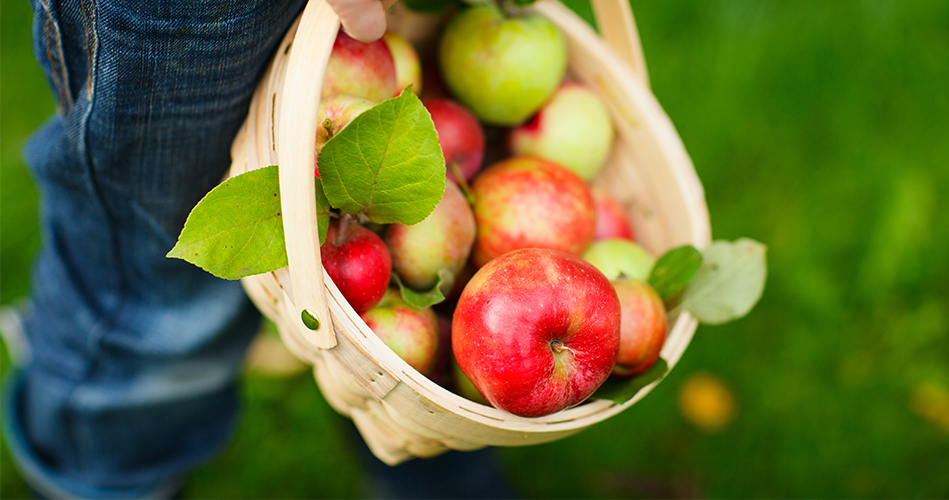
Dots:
{"x": 322, "y": 210}
{"x": 427, "y": 298}
{"x": 236, "y": 230}
{"x": 674, "y": 270}
{"x": 620, "y": 390}
{"x": 729, "y": 282}
{"x": 386, "y": 163}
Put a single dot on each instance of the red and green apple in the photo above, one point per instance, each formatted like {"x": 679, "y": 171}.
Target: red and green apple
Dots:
{"x": 527, "y": 201}
{"x": 573, "y": 128}
{"x": 536, "y": 331}
{"x": 410, "y": 332}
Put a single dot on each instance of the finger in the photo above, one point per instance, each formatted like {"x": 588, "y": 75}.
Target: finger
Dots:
{"x": 364, "y": 20}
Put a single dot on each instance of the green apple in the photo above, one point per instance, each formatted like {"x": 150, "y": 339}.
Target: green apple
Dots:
{"x": 502, "y": 67}
{"x": 620, "y": 258}
{"x": 573, "y": 128}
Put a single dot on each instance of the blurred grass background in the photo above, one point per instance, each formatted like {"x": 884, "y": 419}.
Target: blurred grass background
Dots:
{"x": 818, "y": 128}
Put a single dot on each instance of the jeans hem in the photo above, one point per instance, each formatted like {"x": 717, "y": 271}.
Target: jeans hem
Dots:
{"x": 43, "y": 480}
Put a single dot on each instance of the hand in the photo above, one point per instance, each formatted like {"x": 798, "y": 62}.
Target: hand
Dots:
{"x": 364, "y": 20}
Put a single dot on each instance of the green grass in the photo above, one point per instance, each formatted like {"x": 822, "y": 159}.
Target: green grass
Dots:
{"x": 817, "y": 128}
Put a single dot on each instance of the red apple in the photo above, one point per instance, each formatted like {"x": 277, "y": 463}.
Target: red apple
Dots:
{"x": 527, "y": 201}
{"x": 611, "y": 218}
{"x": 643, "y": 327}
{"x": 536, "y": 331}
{"x": 460, "y": 136}
{"x": 408, "y": 68}
{"x": 358, "y": 262}
{"x": 361, "y": 69}
{"x": 410, "y": 332}
{"x": 441, "y": 242}
{"x": 573, "y": 128}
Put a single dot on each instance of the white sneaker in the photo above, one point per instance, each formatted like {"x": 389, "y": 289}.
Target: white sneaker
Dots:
{"x": 11, "y": 330}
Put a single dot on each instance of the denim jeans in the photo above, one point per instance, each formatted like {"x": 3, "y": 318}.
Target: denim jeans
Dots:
{"x": 135, "y": 355}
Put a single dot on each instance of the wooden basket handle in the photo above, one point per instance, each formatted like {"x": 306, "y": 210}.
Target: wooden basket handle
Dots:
{"x": 617, "y": 26}
{"x": 296, "y": 151}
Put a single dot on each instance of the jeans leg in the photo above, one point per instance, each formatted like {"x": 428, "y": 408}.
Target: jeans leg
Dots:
{"x": 135, "y": 356}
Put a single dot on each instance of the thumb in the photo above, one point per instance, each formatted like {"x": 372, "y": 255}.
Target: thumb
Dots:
{"x": 364, "y": 20}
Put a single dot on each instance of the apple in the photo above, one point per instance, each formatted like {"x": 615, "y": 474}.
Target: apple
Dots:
{"x": 358, "y": 262}
{"x": 573, "y": 128}
{"x": 611, "y": 218}
{"x": 335, "y": 113}
{"x": 442, "y": 241}
{"x": 642, "y": 327}
{"x": 361, "y": 69}
{"x": 502, "y": 67}
{"x": 410, "y": 332}
{"x": 459, "y": 135}
{"x": 527, "y": 201}
{"x": 620, "y": 258}
{"x": 408, "y": 68}
{"x": 536, "y": 331}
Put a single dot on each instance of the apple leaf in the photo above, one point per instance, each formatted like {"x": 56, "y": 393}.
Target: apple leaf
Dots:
{"x": 427, "y": 298}
{"x": 620, "y": 390}
{"x": 729, "y": 282}
{"x": 386, "y": 163}
{"x": 322, "y": 210}
{"x": 236, "y": 230}
{"x": 674, "y": 270}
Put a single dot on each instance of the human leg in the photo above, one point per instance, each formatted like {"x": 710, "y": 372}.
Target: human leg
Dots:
{"x": 132, "y": 379}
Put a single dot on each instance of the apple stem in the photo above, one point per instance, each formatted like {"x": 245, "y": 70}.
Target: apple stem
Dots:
{"x": 462, "y": 182}
{"x": 328, "y": 126}
{"x": 558, "y": 346}
{"x": 344, "y": 219}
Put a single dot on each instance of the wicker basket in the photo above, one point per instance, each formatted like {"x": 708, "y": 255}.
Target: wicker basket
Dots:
{"x": 400, "y": 413}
